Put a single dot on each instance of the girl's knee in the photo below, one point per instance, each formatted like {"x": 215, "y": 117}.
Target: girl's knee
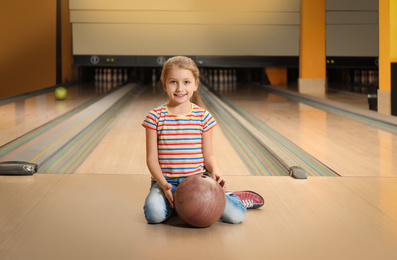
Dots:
{"x": 236, "y": 218}
{"x": 156, "y": 209}
{"x": 235, "y": 211}
{"x": 154, "y": 216}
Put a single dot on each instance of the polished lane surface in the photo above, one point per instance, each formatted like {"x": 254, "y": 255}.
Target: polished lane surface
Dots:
{"x": 24, "y": 115}
{"x": 349, "y": 147}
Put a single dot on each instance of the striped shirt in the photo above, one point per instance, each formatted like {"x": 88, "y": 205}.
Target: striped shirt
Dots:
{"x": 180, "y": 139}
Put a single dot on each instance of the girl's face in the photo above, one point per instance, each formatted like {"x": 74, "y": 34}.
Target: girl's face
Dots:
{"x": 180, "y": 85}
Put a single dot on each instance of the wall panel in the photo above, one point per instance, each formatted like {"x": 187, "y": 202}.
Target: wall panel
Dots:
{"x": 146, "y": 39}
{"x": 224, "y": 5}
{"x": 351, "y": 5}
{"x": 352, "y": 28}
{"x": 186, "y": 17}
{"x": 205, "y": 27}
{"x": 361, "y": 18}
{"x": 352, "y": 40}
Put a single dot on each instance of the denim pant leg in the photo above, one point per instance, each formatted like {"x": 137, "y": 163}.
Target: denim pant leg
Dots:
{"x": 235, "y": 211}
{"x": 157, "y": 208}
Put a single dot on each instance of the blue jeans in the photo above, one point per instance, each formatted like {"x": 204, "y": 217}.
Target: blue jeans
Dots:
{"x": 157, "y": 208}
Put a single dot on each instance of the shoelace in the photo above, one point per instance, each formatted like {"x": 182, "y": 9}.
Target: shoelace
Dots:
{"x": 248, "y": 203}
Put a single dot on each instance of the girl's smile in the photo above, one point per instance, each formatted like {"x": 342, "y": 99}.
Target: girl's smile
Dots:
{"x": 180, "y": 95}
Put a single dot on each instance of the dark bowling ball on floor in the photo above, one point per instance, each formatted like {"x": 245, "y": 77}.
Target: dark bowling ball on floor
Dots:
{"x": 199, "y": 200}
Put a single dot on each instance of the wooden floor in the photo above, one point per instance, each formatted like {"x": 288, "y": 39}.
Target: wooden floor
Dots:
{"x": 97, "y": 213}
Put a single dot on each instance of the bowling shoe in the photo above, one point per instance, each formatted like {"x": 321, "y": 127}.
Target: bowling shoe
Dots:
{"x": 250, "y": 199}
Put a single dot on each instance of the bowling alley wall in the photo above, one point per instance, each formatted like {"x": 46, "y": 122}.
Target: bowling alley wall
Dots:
{"x": 206, "y": 27}
{"x": 126, "y": 33}
{"x": 220, "y": 27}
{"x": 225, "y": 33}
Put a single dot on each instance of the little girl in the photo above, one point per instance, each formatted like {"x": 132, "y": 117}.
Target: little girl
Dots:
{"x": 179, "y": 144}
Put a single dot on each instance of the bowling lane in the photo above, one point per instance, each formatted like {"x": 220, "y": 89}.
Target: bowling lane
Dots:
{"x": 122, "y": 151}
{"x": 24, "y": 115}
{"x": 349, "y": 147}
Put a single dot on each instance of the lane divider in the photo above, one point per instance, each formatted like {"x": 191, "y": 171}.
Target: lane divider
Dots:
{"x": 68, "y": 159}
{"x": 48, "y": 142}
{"x": 374, "y": 119}
{"x": 289, "y": 155}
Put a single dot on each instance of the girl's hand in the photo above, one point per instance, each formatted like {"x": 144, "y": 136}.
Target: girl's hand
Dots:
{"x": 220, "y": 180}
{"x": 168, "y": 194}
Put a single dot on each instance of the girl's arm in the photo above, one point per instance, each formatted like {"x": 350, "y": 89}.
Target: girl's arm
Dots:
{"x": 152, "y": 161}
{"x": 209, "y": 159}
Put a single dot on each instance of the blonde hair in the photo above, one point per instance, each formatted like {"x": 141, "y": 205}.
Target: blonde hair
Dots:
{"x": 182, "y": 62}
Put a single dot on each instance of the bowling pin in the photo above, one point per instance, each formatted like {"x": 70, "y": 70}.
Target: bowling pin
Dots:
{"x": 120, "y": 79}
{"x": 125, "y": 75}
{"x": 215, "y": 77}
{"x": 109, "y": 75}
{"x": 96, "y": 75}
{"x": 104, "y": 75}
{"x": 153, "y": 77}
{"x": 100, "y": 75}
{"x": 115, "y": 77}
{"x": 362, "y": 77}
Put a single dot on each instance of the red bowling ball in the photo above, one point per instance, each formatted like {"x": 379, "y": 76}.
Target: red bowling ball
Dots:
{"x": 199, "y": 200}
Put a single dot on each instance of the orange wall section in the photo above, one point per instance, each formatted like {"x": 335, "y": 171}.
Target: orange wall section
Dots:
{"x": 312, "y": 39}
{"x": 384, "y": 45}
{"x": 393, "y": 30}
{"x": 277, "y": 76}
{"x": 28, "y": 45}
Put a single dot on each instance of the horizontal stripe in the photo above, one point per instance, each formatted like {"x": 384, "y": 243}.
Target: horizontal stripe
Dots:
{"x": 182, "y": 174}
{"x": 181, "y": 154}
{"x": 182, "y": 120}
{"x": 198, "y": 159}
{"x": 179, "y": 146}
{"x": 181, "y": 149}
{"x": 181, "y": 169}
{"x": 177, "y": 142}
{"x": 184, "y": 133}
{"x": 180, "y": 130}
{"x": 179, "y": 165}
